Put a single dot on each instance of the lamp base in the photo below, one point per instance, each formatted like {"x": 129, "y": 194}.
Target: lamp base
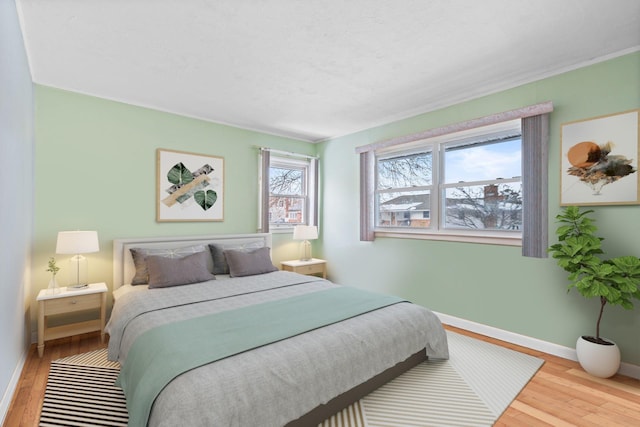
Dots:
{"x": 305, "y": 250}
{"x": 78, "y": 271}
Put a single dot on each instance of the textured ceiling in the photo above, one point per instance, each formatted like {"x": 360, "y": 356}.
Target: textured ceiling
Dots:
{"x": 314, "y": 69}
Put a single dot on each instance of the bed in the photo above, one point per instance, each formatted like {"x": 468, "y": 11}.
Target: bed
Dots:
{"x": 250, "y": 345}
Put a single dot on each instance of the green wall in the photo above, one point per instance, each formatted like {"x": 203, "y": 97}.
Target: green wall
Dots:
{"x": 95, "y": 169}
{"x": 491, "y": 285}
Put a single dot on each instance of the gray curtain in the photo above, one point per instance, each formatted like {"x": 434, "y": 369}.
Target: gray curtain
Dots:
{"x": 367, "y": 180}
{"x": 264, "y": 209}
{"x": 314, "y": 170}
{"x": 535, "y": 176}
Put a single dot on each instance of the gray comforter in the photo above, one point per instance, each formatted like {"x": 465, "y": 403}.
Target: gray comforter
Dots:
{"x": 277, "y": 383}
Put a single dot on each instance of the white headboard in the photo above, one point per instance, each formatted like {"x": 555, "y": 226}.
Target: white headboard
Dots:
{"x": 124, "y": 269}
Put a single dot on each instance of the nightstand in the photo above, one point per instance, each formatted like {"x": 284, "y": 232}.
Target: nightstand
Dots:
{"x": 312, "y": 266}
{"x": 69, "y": 300}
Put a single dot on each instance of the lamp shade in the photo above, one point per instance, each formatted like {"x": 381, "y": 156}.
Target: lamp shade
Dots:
{"x": 77, "y": 242}
{"x": 305, "y": 232}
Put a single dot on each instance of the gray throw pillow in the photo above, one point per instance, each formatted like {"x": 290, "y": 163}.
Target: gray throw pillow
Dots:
{"x": 140, "y": 255}
{"x": 164, "y": 272}
{"x": 251, "y": 263}
{"x": 220, "y": 265}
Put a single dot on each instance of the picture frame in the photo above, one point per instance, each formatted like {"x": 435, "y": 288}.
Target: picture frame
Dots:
{"x": 190, "y": 186}
{"x": 599, "y": 160}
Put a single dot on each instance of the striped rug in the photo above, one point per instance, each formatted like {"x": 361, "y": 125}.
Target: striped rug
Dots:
{"x": 81, "y": 392}
{"x": 472, "y": 388}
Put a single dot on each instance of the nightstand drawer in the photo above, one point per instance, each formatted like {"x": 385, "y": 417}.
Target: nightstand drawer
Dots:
{"x": 310, "y": 269}
{"x": 72, "y": 303}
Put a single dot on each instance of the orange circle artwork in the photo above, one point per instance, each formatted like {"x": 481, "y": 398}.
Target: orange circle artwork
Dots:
{"x": 584, "y": 154}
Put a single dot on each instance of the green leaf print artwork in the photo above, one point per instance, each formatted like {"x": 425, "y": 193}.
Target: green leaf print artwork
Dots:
{"x": 206, "y": 199}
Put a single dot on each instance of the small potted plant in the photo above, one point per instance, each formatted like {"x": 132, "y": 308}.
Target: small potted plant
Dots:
{"x": 53, "y": 269}
{"x": 614, "y": 281}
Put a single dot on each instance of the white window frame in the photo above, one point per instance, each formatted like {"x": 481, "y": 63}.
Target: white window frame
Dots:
{"x": 535, "y": 137}
{"x": 307, "y": 165}
{"x": 386, "y": 154}
{"x": 436, "y": 146}
{"x": 487, "y": 134}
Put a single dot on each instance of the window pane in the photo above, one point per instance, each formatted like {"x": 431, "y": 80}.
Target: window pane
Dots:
{"x": 404, "y": 209}
{"x": 286, "y": 210}
{"x": 405, "y": 171}
{"x": 286, "y": 181}
{"x": 486, "y": 207}
{"x": 482, "y": 162}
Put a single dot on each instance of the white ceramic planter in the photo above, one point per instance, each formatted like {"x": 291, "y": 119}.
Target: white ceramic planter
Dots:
{"x": 597, "y": 359}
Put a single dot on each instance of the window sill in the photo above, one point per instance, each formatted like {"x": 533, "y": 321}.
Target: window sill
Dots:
{"x": 487, "y": 238}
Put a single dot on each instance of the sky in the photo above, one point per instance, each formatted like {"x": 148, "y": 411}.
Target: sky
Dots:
{"x": 484, "y": 162}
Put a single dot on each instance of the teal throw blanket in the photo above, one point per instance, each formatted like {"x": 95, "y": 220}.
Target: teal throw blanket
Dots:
{"x": 164, "y": 352}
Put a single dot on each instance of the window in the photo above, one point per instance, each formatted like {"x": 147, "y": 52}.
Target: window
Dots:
{"x": 289, "y": 191}
{"x": 483, "y": 180}
{"x": 482, "y": 188}
{"x": 458, "y": 183}
{"x": 403, "y": 190}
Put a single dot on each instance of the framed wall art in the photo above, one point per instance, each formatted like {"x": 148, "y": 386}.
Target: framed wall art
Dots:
{"x": 190, "y": 187}
{"x": 599, "y": 160}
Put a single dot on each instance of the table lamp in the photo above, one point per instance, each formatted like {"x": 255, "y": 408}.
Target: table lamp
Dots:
{"x": 305, "y": 233}
{"x": 78, "y": 243}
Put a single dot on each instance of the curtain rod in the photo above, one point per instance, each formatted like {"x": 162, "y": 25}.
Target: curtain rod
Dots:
{"x": 518, "y": 113}
{"x": 288, "y": 153}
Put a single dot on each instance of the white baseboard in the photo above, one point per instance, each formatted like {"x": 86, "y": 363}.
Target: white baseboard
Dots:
{"x": 11, "y": 387}
{"x": 627, "y": 369}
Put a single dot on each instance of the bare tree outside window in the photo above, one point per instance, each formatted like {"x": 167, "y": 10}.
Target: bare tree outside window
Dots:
{"x": 489, "y": 207}
{"x": 285, "y": 181}
{"x": 405, "y": 171}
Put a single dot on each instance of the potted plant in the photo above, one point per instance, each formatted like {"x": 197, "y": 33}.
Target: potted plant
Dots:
{"x": 53, "y": 269}
{"x": 614, "y": 281}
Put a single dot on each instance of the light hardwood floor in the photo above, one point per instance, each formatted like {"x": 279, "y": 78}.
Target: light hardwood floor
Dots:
{"x": 560, "y": 394}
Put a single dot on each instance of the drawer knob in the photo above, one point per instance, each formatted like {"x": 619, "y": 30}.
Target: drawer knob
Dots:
{"x": 74, "y": 302}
